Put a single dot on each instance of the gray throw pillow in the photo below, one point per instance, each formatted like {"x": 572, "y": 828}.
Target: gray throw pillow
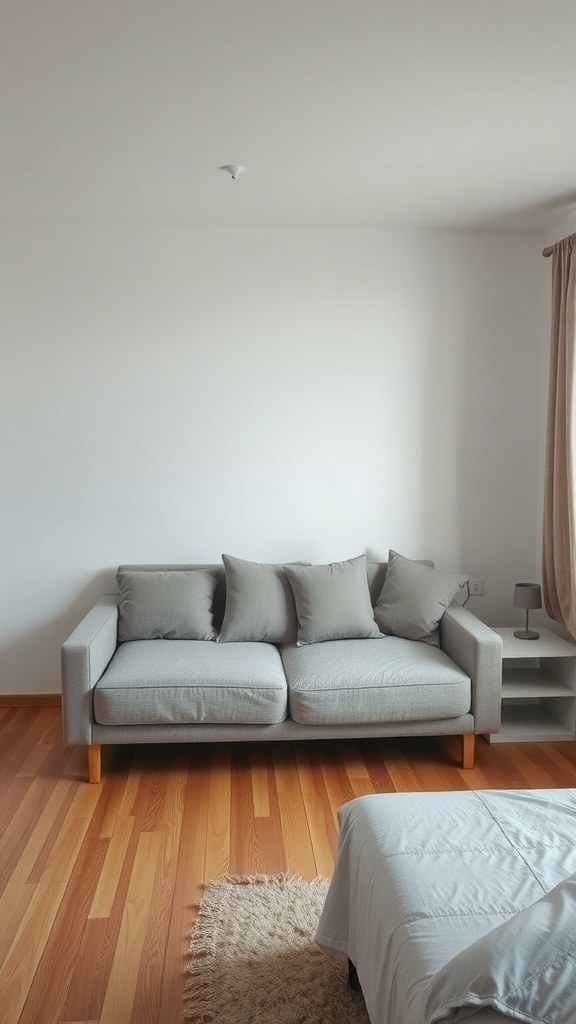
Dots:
{"x": 259, "y": 603}
{"x": 332, "y": 601}
{"x": 414, "y": 598}
{"x": 166, "y": 605}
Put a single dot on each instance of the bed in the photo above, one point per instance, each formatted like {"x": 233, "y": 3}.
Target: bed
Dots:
{"x": 452, "y": 904}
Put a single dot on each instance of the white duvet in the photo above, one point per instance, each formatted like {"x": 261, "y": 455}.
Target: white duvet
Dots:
{"x": 448, "y": 903}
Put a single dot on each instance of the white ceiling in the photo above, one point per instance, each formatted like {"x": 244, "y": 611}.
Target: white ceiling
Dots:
{"x": 453, "y": 113}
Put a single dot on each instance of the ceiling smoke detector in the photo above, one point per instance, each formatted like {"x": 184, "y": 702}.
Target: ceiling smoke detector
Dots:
{"x": 234, "y": 170}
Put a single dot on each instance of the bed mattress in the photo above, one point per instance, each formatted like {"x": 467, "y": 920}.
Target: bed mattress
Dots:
{"x": 445, "y": 897}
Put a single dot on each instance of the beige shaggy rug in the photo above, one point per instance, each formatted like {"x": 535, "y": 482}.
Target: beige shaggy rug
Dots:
{"x": 253, "y": 959}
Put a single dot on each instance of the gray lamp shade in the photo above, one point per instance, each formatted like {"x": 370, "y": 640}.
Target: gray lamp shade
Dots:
{"x": 527, "y": 595}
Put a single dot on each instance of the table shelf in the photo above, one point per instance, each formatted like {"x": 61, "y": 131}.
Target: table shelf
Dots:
{"x": 538, "y": 689}
{"x": 530, "y": 723}
{"x": 529, "y": 683}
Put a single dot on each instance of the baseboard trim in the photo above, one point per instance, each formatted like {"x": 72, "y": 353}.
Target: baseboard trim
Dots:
{"x": 30, "y": 700}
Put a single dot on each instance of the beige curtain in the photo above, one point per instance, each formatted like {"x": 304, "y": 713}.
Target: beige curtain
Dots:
{"x": 559, "y": 541}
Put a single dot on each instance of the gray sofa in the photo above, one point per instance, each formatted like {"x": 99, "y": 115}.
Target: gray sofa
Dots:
{"x": 246, "y": 651}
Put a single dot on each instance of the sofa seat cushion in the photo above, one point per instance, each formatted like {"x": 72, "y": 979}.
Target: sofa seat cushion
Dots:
{"x": 154, "y": 682}
{"x": 360, "y": 681}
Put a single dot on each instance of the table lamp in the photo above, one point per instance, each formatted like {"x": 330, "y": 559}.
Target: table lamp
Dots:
{"x": 527, "y": 595}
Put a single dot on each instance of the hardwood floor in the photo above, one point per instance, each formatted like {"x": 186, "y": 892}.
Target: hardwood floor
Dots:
{"x": 98, "y": 883}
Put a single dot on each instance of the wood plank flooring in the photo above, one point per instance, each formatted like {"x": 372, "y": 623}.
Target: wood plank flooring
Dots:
{"x": 98, "y": 883}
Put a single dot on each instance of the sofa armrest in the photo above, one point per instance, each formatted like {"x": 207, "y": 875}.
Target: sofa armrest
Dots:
{"x": 84, "y": 657}
{"x": 477, "y": 649}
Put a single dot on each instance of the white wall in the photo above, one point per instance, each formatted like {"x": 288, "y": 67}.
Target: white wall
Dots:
{"x": 172, "y": 393}
{"x": 562, "y": 224}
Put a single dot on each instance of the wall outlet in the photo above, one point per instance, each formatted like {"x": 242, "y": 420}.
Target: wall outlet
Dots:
{"x": 476, "y": 588}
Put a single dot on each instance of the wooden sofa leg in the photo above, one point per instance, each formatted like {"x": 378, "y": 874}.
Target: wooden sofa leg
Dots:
{"x": 94, "y": 762}
{"x": 468, "y": 744}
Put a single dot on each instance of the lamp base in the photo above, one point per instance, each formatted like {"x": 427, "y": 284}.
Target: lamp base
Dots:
{"x": 526, "y": 634}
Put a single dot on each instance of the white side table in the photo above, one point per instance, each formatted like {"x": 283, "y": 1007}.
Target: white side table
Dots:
{"x": 538, "y": 688}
